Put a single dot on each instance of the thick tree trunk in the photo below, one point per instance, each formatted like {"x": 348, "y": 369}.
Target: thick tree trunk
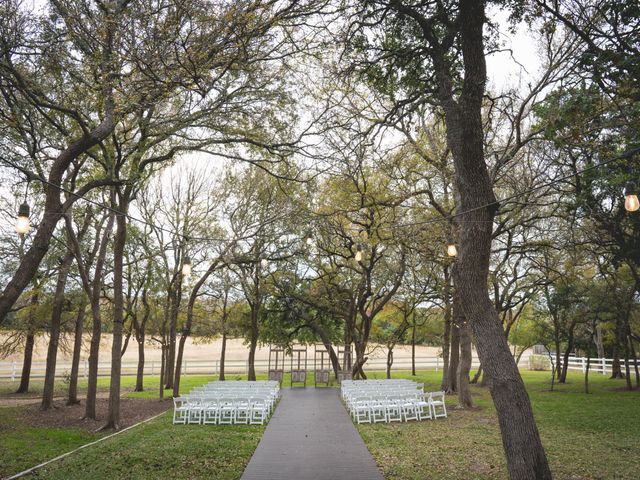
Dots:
{"x": 140, "y": 371}
{"x": 565, "y": 361}
{"x": 477, "y": 376}
{"x": 54, "y": 332}
{"x": 616, "y": 366}
{"x": 113, "y": 418}
{"x": 523, "y": 448}
{"x": 597, "y": 338}
{"x": 223, "y": 352}
{"x": 77, "y": 351}
{"x": 586, "y": 372}
{"x": 635, "y": 360}
{"x": 163, "y": 362}
{"x": 464, "y": 391}
{"x": 251, "y": 373}
{"x": 389, "y": 361}
{"x": 94, "y": 350}
{"x": 558, "y": 358}
{"x": 175, "y": 297}
{"x": 446, "y": 338}
{"x": 26, "y": 364}
{"x": 454, "y": 358}
{"x": 413, "y": 349}
{"x": 178, "y": 370}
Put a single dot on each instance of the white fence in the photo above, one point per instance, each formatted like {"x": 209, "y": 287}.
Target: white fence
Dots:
{"x": 597, "y": 365}
{"x": 12, "y": 370}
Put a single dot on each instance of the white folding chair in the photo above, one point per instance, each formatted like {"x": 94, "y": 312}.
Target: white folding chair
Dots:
{"x": 362, "y": 410}
{"x": 378, "y": 409}
{"x": 210, "y": 411}
{"x": 243, "y": 410}
{"x": 226, "y": 411}
{"x": 423, "y": 407}
{"x": 394, "y": 410}
{"x": 195, "y": 410}
{"x": 409, "y": 406}
{"x": 180, "y": 410}
{"x": 437, "y": 404}
{"x": 259, "y": 411}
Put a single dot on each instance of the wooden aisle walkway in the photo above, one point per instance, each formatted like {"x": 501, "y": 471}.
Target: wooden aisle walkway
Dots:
{"x": 311, "y": 437}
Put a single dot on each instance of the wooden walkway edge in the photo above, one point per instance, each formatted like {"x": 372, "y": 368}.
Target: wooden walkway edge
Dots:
{"x": 311, "y": 437}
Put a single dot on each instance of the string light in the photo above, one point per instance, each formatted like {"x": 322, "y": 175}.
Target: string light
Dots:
{"x": 186, "y": 267}
{"x": 22, "y": 222}
{"x": 631, "y": 203}
{"x": 23, "y": 225}
{"x": 264, "y": 263}
{"x": 359, "y": 253}
{"x": 452, "y": 250}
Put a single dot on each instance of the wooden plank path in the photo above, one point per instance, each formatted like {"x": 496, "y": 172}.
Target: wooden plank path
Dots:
{"x": 311, "y": 437}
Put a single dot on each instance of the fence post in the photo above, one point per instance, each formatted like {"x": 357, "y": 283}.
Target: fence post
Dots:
{"x": 604, "y": 366}
{"x": 584, "y": 367}
{"x": 215, "y": 367}
{"x": 86, "y": 368}
{"x": 437, "y": 363}
{"x": 13, "y": 371}
{"x": 184, "y": 367}
{"x": 153, "y": 364}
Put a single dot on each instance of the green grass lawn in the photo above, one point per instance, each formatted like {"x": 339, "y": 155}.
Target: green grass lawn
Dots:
{"x": 594, "y": 436}
{"x": 591, "y": 436}
{"x": 159, "y": 449}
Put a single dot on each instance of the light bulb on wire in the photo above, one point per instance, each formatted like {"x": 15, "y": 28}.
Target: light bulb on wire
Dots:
{"x": 358, "y": 253}
{"x": 22, "y": 222}
{"x": 452, "y": 250}
{"x": 264, "y": 263}
{"x": 186, "y": 267}
{"x": 631, "y": 203}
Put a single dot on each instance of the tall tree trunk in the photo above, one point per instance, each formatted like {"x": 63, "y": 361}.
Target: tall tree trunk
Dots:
{"x": 635, "y": 360}
{"x": 454, "y": 358}
{"x": 389, "y": 361}
{"x": 173, "y": 331}
{"x": 616, "y": 368}
{"x": 464, "y": 391}
{"x": 254, "y": 341}
{"x": 223, "y": 351}
{"x": 523, "y": 448}
{"x": 446, "y": 338}
{"x": 565, "y": 361}
{"x": 54, "y": 332}
{"x": 113, "y": 418}
{"x": 140, "y": 370}
{"x": 558, "y": 358}
{"x": 94, "y": 350}
{"x": 598, "y": 341}
{"x": 413, "y": 348}
{"x": 477, "y": 376}
{"x": 26, "y": 364}
{"x": 163, "y": 362}
{"x": 77, "y": 351}
{"x": 586, "y": 372}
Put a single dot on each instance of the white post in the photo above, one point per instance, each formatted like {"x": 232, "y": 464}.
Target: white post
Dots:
{"x": 215, "y": 368}
{"x": 13, "y": 371}
{"x": 153, "y": 364}
{"x": 86, "y": 368}
{"x": 437, "y": 363}
{"x": 584, "y": 367}
{"x": 184, "y": 366}
{"x": 604, "y": 366}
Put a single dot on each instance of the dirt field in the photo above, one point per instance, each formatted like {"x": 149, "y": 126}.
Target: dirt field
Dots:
{"x": 195, "y": 349}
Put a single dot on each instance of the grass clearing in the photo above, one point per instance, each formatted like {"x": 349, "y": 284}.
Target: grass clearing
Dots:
{"x": 158, "y": 449}
{"x": 592, "y": 436}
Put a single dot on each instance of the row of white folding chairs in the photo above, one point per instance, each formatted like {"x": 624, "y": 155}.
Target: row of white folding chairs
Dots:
{"x": 397, "y": 407}
{"x": 269, "y": 395}
{"x": 229, "y": 410}
{"x": 364, "y": 390}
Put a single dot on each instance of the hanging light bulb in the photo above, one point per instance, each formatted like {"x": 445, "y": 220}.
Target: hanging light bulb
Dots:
{"x": 309, "y": 240}
{"x": 264, "y": 263}
{"x": 358, "y": 253}
{"x": 452, "y": 250}
{"x": 631, "y": 203}
{"x": 22, "y": 222}
{"x": 186, "y": 267}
